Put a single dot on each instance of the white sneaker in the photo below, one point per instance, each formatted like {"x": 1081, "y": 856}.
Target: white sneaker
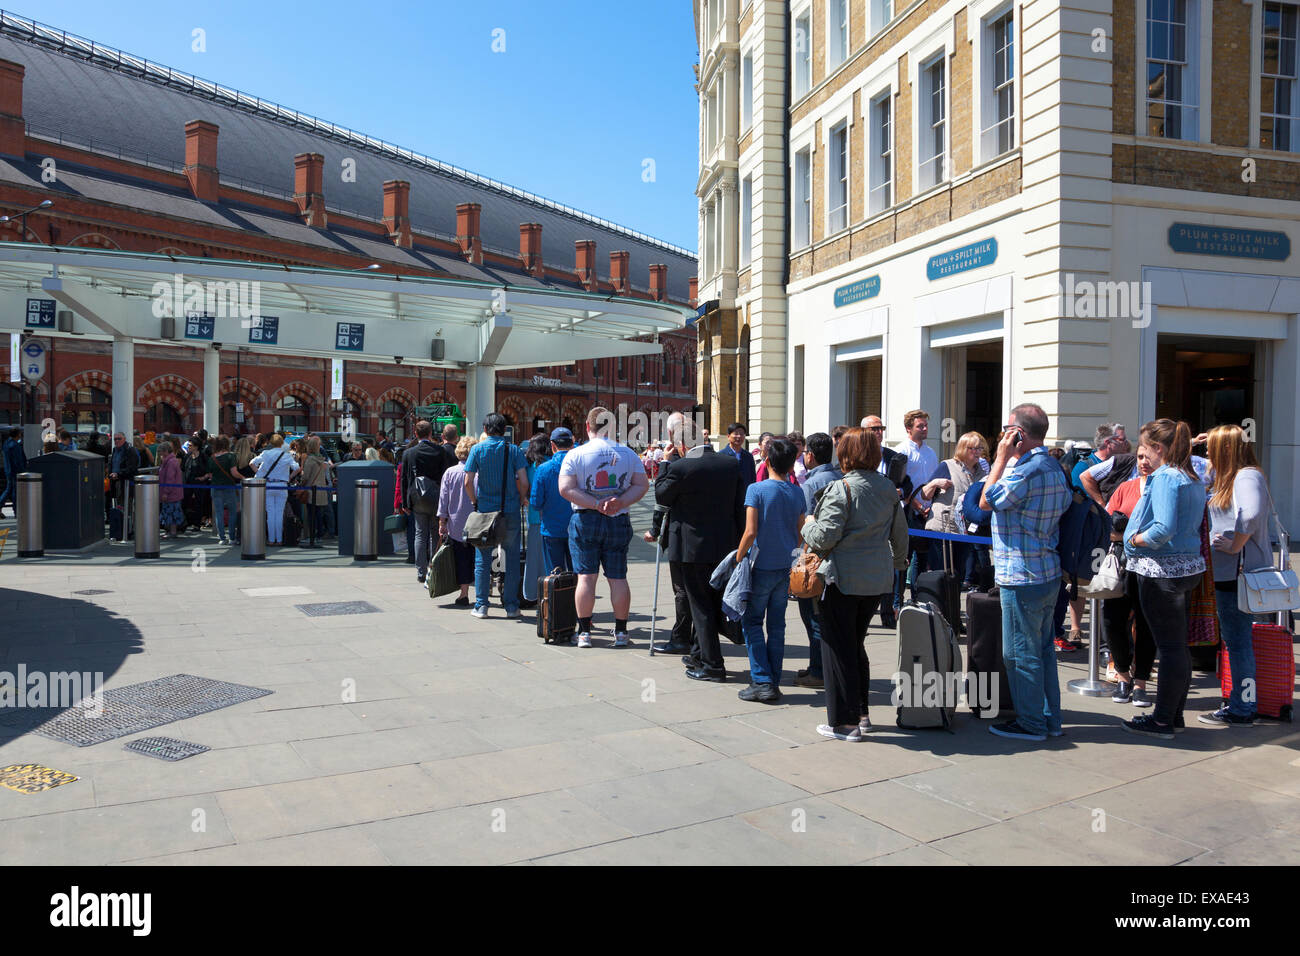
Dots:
{"x": 620, "y": 639}
{"x": 479, "y": 612}
{"x": 584, "y": 639}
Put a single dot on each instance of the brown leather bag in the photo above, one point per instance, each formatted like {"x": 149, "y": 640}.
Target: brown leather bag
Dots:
{"x": 805, "y": 582}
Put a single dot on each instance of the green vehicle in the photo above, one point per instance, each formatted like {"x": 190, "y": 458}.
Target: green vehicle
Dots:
{"x": 441, "y": 415}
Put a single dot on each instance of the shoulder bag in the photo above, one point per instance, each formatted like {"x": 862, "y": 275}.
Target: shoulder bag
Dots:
{"x": 806, "y": 581}
{"x": 487, "y": 529}
{"x": 1270, "y": 590}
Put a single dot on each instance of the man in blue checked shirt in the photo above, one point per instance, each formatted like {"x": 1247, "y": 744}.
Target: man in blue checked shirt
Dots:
{"x": 1027, "y": 492}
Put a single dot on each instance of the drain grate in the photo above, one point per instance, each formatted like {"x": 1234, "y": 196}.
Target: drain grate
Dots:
{"x": 165, "y": 748}
{"x": 33, "y": 778}
{"x": 93, "y": 591}
{"x": 340, "y": 607}
{"x": 132, "y": 709}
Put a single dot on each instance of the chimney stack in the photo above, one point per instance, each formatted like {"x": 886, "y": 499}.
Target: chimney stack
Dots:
{"x": 201, "y": 159}
{"x": 13, "y": 130}
{"x": 585, "y": 264}
{"x": 659, "y": 282}
{"x": 309, "y": 188}
{"x": 397, "y": 208}
{"x": 530, "y": 249}
{"x": 467, "y": 232}
{"x": 618, "y": 274}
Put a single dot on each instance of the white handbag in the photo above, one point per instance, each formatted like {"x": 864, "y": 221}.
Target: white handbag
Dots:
{"x": 1270, "y": 590}
{"x": 1107, "y": 582}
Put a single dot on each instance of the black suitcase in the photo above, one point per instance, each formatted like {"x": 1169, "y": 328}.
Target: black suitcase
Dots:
{"x": 116, "y": 524}
{"x": 557, "y": 615}
{"x": 291, "y": 530}
{"x": 984, "y": 655}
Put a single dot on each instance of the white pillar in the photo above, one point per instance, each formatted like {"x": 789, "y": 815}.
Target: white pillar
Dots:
{"x": 480, "y": 396}
{"x": 124, "y": 385}
{"x": 212, "y": 390}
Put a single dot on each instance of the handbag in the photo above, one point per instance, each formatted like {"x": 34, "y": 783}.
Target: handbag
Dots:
{"x": 1108, "y": 581}
{"x": 395, "y": 523}
{"x": 1270, "y": 590}
{"x": 441, "y": 579}
{"x": 487, "y": 529}
{"x": 806, "y": 577}
{"x": 424, "y": 496}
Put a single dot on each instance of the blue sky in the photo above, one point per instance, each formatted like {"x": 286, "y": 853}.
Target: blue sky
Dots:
{"x": 581, "y": 96}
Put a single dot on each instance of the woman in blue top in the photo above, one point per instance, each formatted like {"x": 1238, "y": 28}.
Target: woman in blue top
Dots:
{"x": 539, "y": 451}
{"x": 1162, "y": 545}
{"x": 774, "y": 513}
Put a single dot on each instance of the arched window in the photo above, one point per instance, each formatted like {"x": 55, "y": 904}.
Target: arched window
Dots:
{"x": 392, "y": 420}
{"x": 87, "y": 408}
{"x": 349, "y": 408}
{"x": 160, "y": 417}
{"x": 664, "y": 373}
{"x": 292, "y": 416}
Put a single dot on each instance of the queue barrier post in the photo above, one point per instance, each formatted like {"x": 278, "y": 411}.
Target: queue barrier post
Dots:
{"x": 31, "y": 516}
{"x": 146, "y": 516}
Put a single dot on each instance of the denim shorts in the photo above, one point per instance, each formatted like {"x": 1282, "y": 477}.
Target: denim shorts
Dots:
{"x": 595, "y": 540}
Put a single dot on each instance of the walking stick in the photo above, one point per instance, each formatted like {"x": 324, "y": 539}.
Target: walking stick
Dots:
{"x": 654, "y": 608}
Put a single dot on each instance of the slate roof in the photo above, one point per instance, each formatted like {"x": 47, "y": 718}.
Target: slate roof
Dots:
{"x": 112, "y": 102}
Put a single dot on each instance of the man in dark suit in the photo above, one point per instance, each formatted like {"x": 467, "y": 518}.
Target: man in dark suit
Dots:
{"x": 681, "y": 640}
{"x": 738, "y": 449}
{"x": 705, "y": 496}
{"x": 424, "y": 459}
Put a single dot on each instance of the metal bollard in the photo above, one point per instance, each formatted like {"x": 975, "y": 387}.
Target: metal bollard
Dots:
{"x": 365, "y": 545}
{"x": 252, "y": 520}
{"x": 147, "y": 516}
{"x": 31, "y": 519}
{"x": 1092, "y": 686}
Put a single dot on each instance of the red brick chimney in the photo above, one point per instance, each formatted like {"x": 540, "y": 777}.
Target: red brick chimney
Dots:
{"x": 13, "y": 132}
{"x": 692, "y": 290}
{"x": 467, "y": 232}
{"x": 659, "y": 282}
{"x": 397, "y": 211}
{"x": 618, "y": 276}
{"x": 585, "y": 264}
{"x": 309, "y": 188}
{"x": 530, "y": 248}
{"x": 201, "y": 159}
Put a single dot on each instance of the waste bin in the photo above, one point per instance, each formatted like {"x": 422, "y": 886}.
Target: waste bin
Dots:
{"x": 347, "y": 474}
{"x": 73, "y": 493}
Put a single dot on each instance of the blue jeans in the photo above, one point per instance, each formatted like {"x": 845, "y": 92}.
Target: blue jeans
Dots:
{"x": 813, "y": 625}
{"x": 768, "y": 595}
{"x": 1030, "y": 654}
{"x": 483, "y": 567}
{"x": 533, "y": 563}
{"x": 557, "y": 554}
{"x": 1234, "y": 628}
{"x": 225, "y": 498}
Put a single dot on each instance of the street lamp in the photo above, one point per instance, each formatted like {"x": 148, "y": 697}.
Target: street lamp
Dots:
{"x": 22, "y": 216}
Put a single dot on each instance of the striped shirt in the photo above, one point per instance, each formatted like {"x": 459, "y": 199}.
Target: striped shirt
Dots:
{"x": 1028, "y": 502}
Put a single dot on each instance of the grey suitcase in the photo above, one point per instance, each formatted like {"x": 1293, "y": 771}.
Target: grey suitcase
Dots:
{"x": 929, "y": 678}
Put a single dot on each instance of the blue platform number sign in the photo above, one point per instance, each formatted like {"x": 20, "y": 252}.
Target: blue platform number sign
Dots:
{"x": 199, "y": 325}
{"x": 264, "y": 330}
{"x": 1222, "y": 241}
{"x": 350, "y": 337}
{"x": 973, "y": 256}
{"x": 40, "y": 313}
{"x": 857, "y": 291}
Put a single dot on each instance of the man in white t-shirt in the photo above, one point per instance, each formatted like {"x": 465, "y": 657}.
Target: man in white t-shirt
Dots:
{"x": 602, "y": 479}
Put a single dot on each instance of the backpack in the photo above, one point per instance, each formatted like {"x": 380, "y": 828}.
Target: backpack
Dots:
{"x": 1082, "y": 540}
{"x": 972, "y": 512}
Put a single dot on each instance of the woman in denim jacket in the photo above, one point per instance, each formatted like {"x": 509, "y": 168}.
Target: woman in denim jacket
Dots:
{"x": 1162, "y": 544}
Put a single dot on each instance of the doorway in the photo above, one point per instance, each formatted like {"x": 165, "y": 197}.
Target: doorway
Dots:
{"x": 1206, "y": 387}
{"x": 972, "y": 393}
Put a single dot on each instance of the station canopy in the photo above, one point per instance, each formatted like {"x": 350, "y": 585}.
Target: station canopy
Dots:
{"x": 132, "y": 295}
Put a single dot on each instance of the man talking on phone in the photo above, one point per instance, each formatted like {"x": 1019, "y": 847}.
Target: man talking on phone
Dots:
{"x": 1027, "y": 493}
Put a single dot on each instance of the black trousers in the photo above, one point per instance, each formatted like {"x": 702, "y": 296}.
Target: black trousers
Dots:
{"x": 705, "y": 603}
{"x": 1127, "y": 650}
{"x": 845, "y": 668}
{"x": 681, "y": 605}
{"x": 1163, "y": 601}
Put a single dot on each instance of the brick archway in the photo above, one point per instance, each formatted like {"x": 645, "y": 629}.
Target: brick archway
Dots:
{"x": 396, "y": 394}
{"x": 300, "y": 390}
{"x": 544, "y": 408}
{"x": 248, "y": 392}
{"x": 513, "y": 407}
{"x": 93, "y": 240}
{"x": 90, "y": 378}
{"x": 576, "y": 411}
{"x": 436, "y": 397}
{"x": 175, "y": 385}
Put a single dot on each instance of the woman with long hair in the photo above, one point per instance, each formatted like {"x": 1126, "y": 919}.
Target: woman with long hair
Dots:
{"x": 1162, "y": 545}
{"x": 1132, "y": 649}
{"x": 1241, "y": 510}
{"x": 945, "y": 490}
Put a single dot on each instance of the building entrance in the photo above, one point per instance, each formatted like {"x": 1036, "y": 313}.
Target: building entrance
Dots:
{"x": 1205, "y": 387}
{"x": 972, "y": 394}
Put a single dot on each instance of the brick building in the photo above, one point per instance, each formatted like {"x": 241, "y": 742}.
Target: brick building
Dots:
{"x": 962, "y": 205}
{"x": 138, "y": 157}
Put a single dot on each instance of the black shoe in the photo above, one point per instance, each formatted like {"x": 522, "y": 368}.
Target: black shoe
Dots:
{"x": 672, "y": 648}
{"x": 718, "y": 676}
{"x": 768, "y": 694}
{"x": 461, "y": 602}
{"x": 1123, "y": 693}
{"x": 420, "y": 578}
{"x": 749, "y": 693}
{"x": 527, "y": 605}
{"x": 692, "y": 663}
{"x": 1146, "y": 726}
{"x": 410, "y": 559}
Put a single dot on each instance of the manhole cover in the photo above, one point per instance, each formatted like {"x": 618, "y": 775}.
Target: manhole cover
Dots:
{"x": 341, "y": 607}
{"x": 165, "y": 748}
{"x": 132, "y": 709}
{"x": 93, "y": 591}
{"x": 33, "y": 778}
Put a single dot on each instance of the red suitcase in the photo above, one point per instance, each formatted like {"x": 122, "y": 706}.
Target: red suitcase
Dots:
{"x": 1274, "y": 671}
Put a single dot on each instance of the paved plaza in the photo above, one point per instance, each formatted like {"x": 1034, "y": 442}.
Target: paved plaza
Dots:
{"x": 416, "y": 734}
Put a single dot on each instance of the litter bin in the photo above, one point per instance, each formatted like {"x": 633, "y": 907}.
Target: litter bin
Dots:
{"x": 347, "y": 474}
{"x": 73, "y": 493}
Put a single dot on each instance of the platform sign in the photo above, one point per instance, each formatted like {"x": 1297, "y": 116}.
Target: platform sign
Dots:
{"x": 336, "y": 379}
{"x": 199, "y": 325}
{"x": 33, "y": 361}
{"x": 350, "y": 337}
{"x": 40, "y": 313}
{"x": 264, "y": 330}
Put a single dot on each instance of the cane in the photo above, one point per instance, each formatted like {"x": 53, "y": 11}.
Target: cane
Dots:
{"x": 654, "y": 607}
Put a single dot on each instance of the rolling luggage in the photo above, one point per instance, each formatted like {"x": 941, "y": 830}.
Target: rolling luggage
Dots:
{"x": 929, "y": 665}
{"x": 1274, "y": 671}
{"x": 942, "y": 589}
{"x": 291, "y": 530}
{"x": 985, "y": 674}
{"x": 116, "y": 524}
{"x": 557, "y": 615}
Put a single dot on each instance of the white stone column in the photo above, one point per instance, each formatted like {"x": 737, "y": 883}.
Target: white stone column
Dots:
{"x": 124, "y": 386}
{"x": 480, "y": 396}
{"x": 212, "y": 391}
